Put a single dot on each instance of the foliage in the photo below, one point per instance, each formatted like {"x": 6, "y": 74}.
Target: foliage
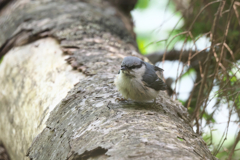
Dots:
{"x": 221, "y": 20}
{"x": 142, "y": 4}
{"x": 218, "y": 20}
{"x": 219, "y": 68}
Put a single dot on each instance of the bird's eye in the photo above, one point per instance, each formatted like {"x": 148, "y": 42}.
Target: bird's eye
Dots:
{"x": 133, "y": 67}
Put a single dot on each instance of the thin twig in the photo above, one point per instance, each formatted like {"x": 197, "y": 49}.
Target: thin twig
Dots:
{"x": 221, "y": 56}
{"x": 154, "y": 43}
{"x": 229, "y": 119}
{"x": 198, "y": 104}
{"x": 164, "y": 55}
{"x": 203, "y": 50}
{"x": 202, "y": 11}
{"x": 236, "y": 12}
{"x": 197, "y": 131}
{"x": 182, "y": 33}
{"x": 220, "y": 144}
{"x": 237, "y": 149}
{"x": 230, "y": 51}
{"x": 180, "y": 57}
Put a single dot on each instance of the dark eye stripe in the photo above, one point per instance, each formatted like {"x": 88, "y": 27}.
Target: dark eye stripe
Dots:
{"x": 133, "y": 67}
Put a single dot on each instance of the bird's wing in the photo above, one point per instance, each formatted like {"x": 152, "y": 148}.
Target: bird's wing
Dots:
{"x": 158, "y": 84}
{"x": 159, "y": 71}
{"x": 152, "y": 79}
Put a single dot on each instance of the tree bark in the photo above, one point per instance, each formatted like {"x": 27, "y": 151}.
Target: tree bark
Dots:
{"x": 37, "y": 122}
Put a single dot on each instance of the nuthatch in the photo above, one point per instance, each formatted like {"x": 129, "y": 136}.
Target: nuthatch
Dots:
{"x": 139, "y": 80}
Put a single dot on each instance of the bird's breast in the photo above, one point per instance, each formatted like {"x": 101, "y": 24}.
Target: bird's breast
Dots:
{"x": 133, "y": 88}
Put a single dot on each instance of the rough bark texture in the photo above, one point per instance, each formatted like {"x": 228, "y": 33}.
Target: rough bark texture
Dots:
{"x": 88, "y": 122}
{"x": 34, "y": 79}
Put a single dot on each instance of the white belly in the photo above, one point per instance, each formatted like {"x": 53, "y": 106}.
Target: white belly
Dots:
{"x": 134, "y": 89}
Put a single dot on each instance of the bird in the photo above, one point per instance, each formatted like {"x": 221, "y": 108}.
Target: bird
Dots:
{"x": 138, "y": 80}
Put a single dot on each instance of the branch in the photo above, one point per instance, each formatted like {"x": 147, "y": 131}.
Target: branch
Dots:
{"x": 174, "y": 55}
{"x": 234, "y": 146}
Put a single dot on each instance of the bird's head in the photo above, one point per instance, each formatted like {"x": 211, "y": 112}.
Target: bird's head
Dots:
{"x": 132, "y": 66}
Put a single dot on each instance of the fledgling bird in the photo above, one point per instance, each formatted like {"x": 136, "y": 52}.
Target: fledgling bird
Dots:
{"x": 139, "y": 80}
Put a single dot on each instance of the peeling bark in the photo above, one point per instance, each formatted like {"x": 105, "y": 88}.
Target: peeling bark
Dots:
{"x": 38, "y": 122}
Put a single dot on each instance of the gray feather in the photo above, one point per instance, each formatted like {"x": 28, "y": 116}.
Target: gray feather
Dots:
{"x": 151, "y": 79}
{"x": 153, "y": 75}
{"x": 131, "y": 61}
{"x": 159, "y": 71}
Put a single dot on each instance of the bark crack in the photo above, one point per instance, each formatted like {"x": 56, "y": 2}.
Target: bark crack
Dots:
{"x": 91, "y": 154}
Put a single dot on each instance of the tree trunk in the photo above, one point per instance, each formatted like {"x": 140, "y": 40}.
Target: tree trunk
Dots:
{"x": 45, "y": 116}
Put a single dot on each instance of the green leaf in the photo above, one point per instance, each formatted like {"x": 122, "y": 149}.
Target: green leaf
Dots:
{"x": 208, "y": 117}
{"x": 190, "y": 71}
{"x": 233, "y": 79}
{"x": 142, "y": 4}
{"x": 141, "y": 44}
{"x": 147, "y": 45}
{"x": 224, "y": 78}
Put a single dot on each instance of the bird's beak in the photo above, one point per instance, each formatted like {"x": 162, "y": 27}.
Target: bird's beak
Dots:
{"x": 123, "y": 68}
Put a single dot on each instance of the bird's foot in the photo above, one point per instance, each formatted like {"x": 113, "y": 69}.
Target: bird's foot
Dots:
{"x": 120, "y": 99}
